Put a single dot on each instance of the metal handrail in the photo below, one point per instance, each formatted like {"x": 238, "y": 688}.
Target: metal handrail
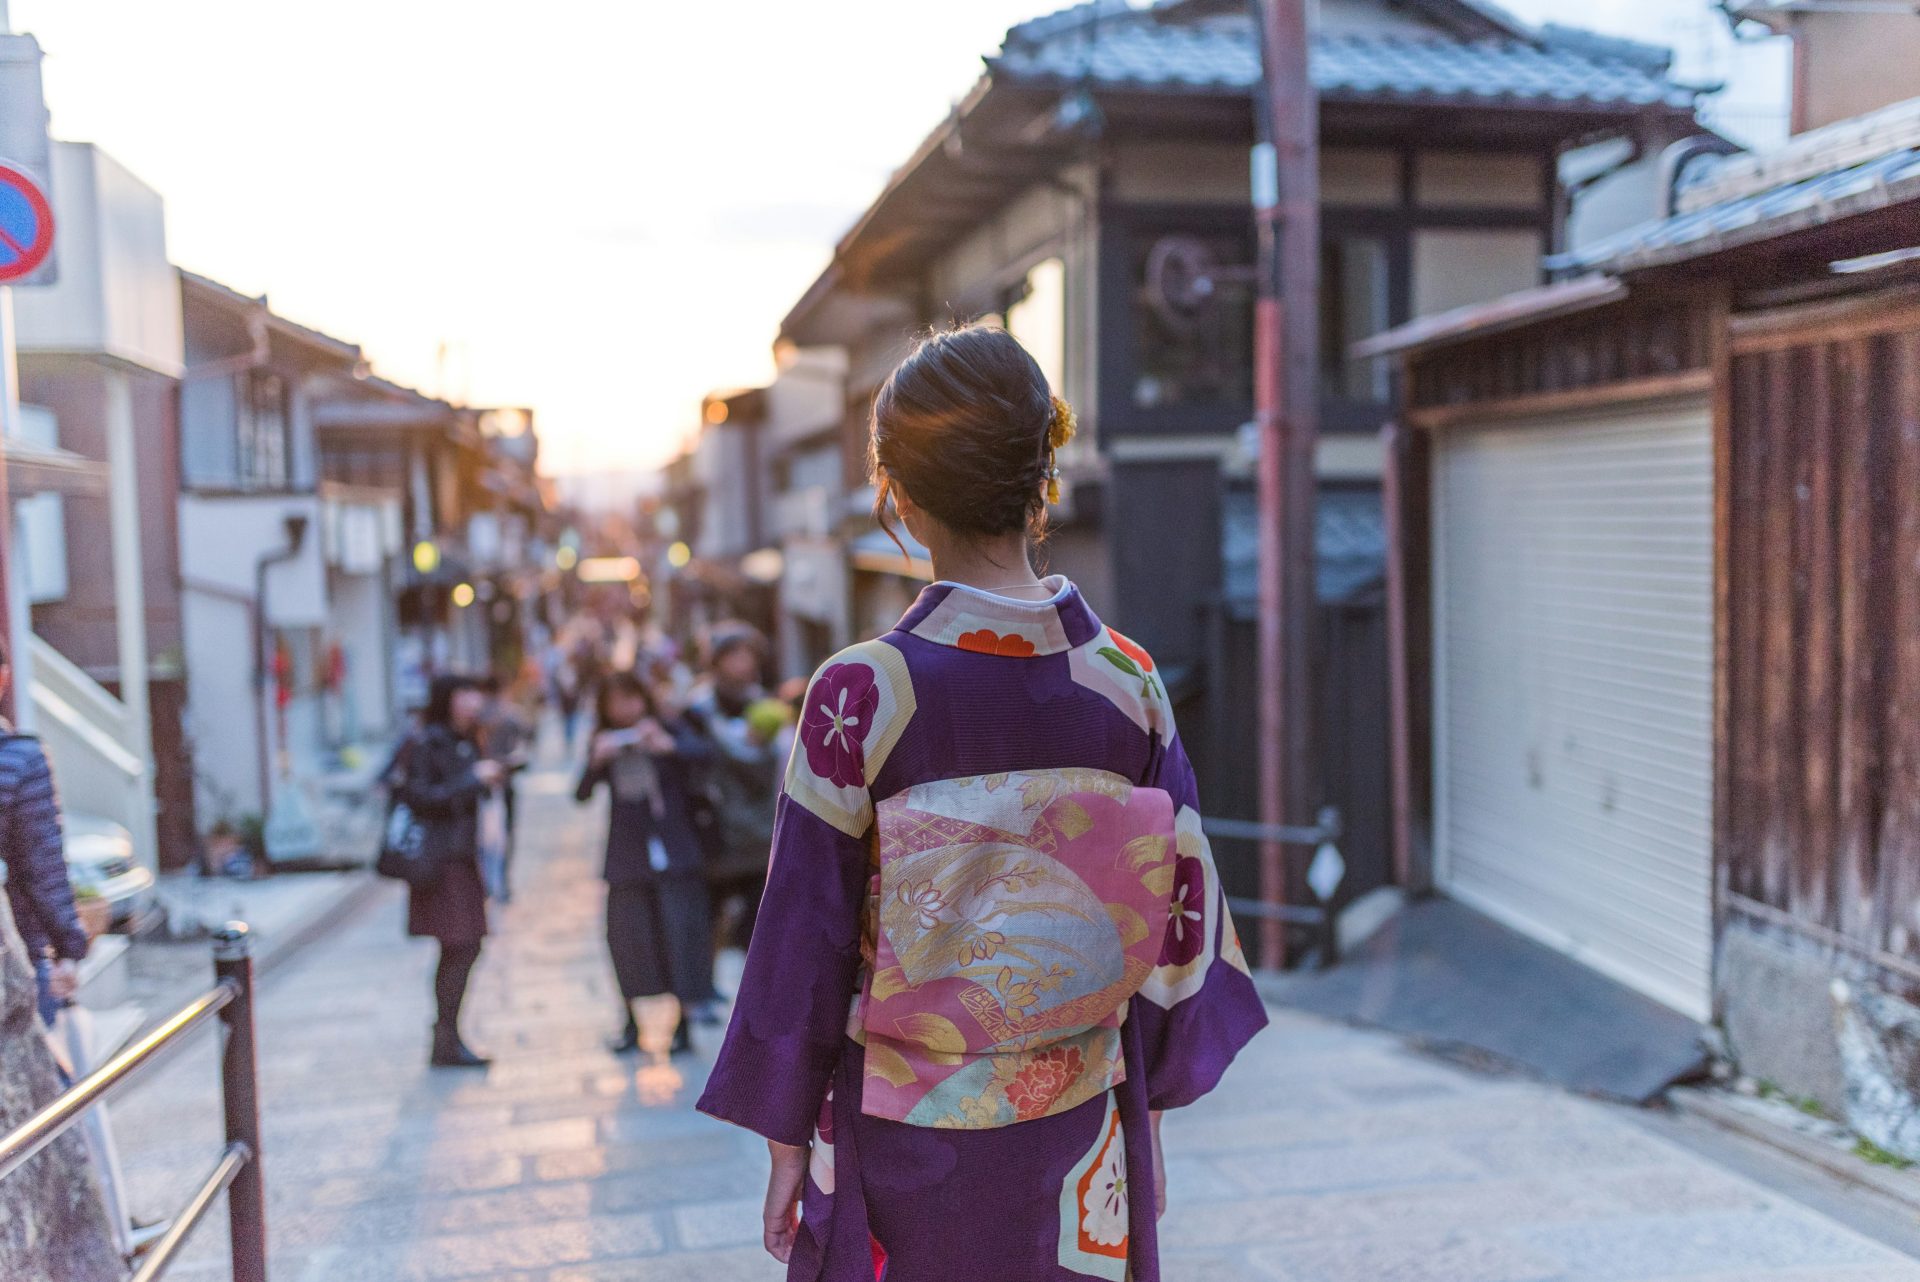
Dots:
{"x": 46, "y": 1126}
{"x": 238, "y": 1171}
{"x": 1318, "y": 914}
{"x": 160, "y": 1256}
{"x": 1327, "y": 827}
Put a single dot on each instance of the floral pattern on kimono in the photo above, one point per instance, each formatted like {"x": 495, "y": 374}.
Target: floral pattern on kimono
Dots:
{"x": 850, "y": 718}
{"x": 1096, "y": 1206}
{"x": 1017, "y": 914}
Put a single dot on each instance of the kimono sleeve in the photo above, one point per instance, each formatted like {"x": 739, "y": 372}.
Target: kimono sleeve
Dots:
{"x": 1199, "y": 1006}
{"x": 790, "y": 1017}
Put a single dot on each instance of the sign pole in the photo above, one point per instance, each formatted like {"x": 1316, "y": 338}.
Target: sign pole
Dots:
{"x": 15, "y": 631}
{"x": 18, "y": 631}
{"x": 26, "y": 239}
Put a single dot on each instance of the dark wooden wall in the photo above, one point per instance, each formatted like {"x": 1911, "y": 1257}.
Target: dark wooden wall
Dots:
{"x": 1636, "y": 341}
{"x": 1820, "y": 823}
{"x": 1221, "y": 736}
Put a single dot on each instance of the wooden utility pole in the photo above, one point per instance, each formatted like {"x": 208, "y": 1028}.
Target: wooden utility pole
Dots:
{"x": 1286, "y": 197}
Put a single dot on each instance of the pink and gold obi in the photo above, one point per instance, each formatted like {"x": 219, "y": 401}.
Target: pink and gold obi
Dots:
{"x": 1012, "y": 918}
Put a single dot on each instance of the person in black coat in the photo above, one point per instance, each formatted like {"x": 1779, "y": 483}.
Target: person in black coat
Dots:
{"x": 442, "y": 778}
{"x": 657, "y": 930}
{"x": 35, "y": 857}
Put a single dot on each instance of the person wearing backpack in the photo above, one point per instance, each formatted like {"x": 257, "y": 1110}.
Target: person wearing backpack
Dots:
{"x": 441, "y": 780}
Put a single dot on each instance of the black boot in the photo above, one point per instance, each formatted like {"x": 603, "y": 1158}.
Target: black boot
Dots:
{"x": 629, "y": 1040}
{"x": 450, "y": 1052}
{"x": 682, "y": 1038}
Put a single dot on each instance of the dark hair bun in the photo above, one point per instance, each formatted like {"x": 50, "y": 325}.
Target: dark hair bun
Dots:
{"x": 962, "y": 426}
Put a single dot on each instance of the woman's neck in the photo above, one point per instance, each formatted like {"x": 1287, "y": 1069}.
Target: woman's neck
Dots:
{"x": 990, "y": 565}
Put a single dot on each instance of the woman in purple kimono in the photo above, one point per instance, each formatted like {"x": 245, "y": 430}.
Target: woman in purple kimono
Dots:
{"x": 993, "y": 947}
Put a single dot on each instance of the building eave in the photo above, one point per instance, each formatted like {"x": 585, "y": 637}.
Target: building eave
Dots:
{"x": 1479, "y": 320}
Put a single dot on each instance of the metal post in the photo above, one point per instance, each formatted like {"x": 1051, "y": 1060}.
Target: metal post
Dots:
{"x": 1331, "y": 825}
{"x": 239, "y": 1089}
{"x": 1287, "y": 403}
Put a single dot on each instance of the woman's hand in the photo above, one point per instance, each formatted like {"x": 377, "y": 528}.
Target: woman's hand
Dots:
{"x": 605, "y": 748}
{"x": 781, "y": 1218}
{"x": 1159, "y": 1170}
{"x": 63, "y": 980}
{"x": 489, "y": 773}
{"x": 654, "y": 738}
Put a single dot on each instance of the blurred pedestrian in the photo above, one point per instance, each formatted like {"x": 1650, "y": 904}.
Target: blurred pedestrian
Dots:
{"x": 731, "y": 708}
{"x": 589, "y": 663}
{"x": 31, "y": 843}
{"x": 442, "y": 779}
{"x": 657, "y": 922}
{"x": 507, "y": 738}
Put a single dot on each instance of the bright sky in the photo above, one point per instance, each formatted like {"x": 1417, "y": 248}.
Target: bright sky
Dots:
{"x": 598, "y": 209}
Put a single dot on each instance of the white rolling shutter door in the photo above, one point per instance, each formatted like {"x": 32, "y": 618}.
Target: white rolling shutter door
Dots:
{"x": 1573, "y": 622}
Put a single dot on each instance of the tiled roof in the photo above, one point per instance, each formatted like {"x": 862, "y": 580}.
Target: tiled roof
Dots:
{"x": 1113, "y": 45}
{"x": 1854, "y": 167}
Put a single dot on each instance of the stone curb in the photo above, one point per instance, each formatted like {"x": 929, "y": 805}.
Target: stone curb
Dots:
{"x": 1705, "y": 1105}
{"x": 270, "y": 952}
{"x": 354, "y": 896}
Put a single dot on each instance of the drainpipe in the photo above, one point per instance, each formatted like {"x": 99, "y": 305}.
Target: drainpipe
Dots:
{"x": 1571, "y": 193}
{"x": 1675, "y": 159}
{"x": 296, "y": 525}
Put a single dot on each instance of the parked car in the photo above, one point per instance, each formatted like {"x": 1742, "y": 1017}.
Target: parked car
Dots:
{"x": 100, "y": 860}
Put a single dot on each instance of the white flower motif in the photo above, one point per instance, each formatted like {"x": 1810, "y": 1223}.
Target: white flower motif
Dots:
{"x": 842, "y": 725}
{"x": 1103, "y": 1211}
{"x": 1184, "y": 909}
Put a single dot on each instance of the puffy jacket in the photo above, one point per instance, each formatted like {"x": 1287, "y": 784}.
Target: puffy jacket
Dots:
{"x": 35, "y": 854}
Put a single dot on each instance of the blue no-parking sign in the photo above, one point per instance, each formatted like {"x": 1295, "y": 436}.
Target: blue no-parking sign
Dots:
{"x": 26, "y": 225}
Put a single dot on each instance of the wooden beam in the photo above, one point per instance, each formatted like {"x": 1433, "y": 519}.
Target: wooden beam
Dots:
{"x": 1832, "y": 321}
{"x": 1693, "y": 382}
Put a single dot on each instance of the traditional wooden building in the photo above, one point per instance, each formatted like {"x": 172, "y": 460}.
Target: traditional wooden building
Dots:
{"x": 1092, "y": 194}
{"x": 1657, "y": 603}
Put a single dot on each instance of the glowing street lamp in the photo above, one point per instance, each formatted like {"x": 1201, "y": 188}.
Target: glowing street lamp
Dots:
{"x": 679, "y": 555}
{"x": 426, "y": 556}
{"x": 609, "y": 569}
{"x": 566, "y": 558}
{"x": 463, "y": 595}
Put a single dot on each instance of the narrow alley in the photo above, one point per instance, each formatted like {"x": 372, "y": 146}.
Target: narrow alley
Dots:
{"x": 1330, "y": 1155}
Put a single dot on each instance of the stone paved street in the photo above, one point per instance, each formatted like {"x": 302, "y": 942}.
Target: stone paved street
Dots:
{"x": 1331, "y": 1155}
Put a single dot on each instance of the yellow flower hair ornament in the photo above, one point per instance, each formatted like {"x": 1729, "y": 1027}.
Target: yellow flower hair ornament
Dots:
{"x": 1061, "y": 427}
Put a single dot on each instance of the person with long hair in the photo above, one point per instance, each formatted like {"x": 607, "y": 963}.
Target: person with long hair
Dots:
{"x": 994, "y": 946}
{"x": 743, "y": 777}
{"x": 657, "y": 927}
{"x": 440, "y": 775}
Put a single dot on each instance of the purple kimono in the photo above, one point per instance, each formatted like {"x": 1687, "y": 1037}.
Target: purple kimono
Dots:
{"x": 993, "y": 940}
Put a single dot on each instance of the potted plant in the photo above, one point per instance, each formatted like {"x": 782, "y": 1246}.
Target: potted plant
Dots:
{"x": 95, "y": 913}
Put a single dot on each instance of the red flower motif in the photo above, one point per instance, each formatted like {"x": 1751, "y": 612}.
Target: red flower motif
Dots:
{"x": 1133, "y": 650}
{"x": 1186, "y": 915}
{"x": 840, "y": 712}
{"x": 987, "y": 641}
{"x": 1043, "y": 1080}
